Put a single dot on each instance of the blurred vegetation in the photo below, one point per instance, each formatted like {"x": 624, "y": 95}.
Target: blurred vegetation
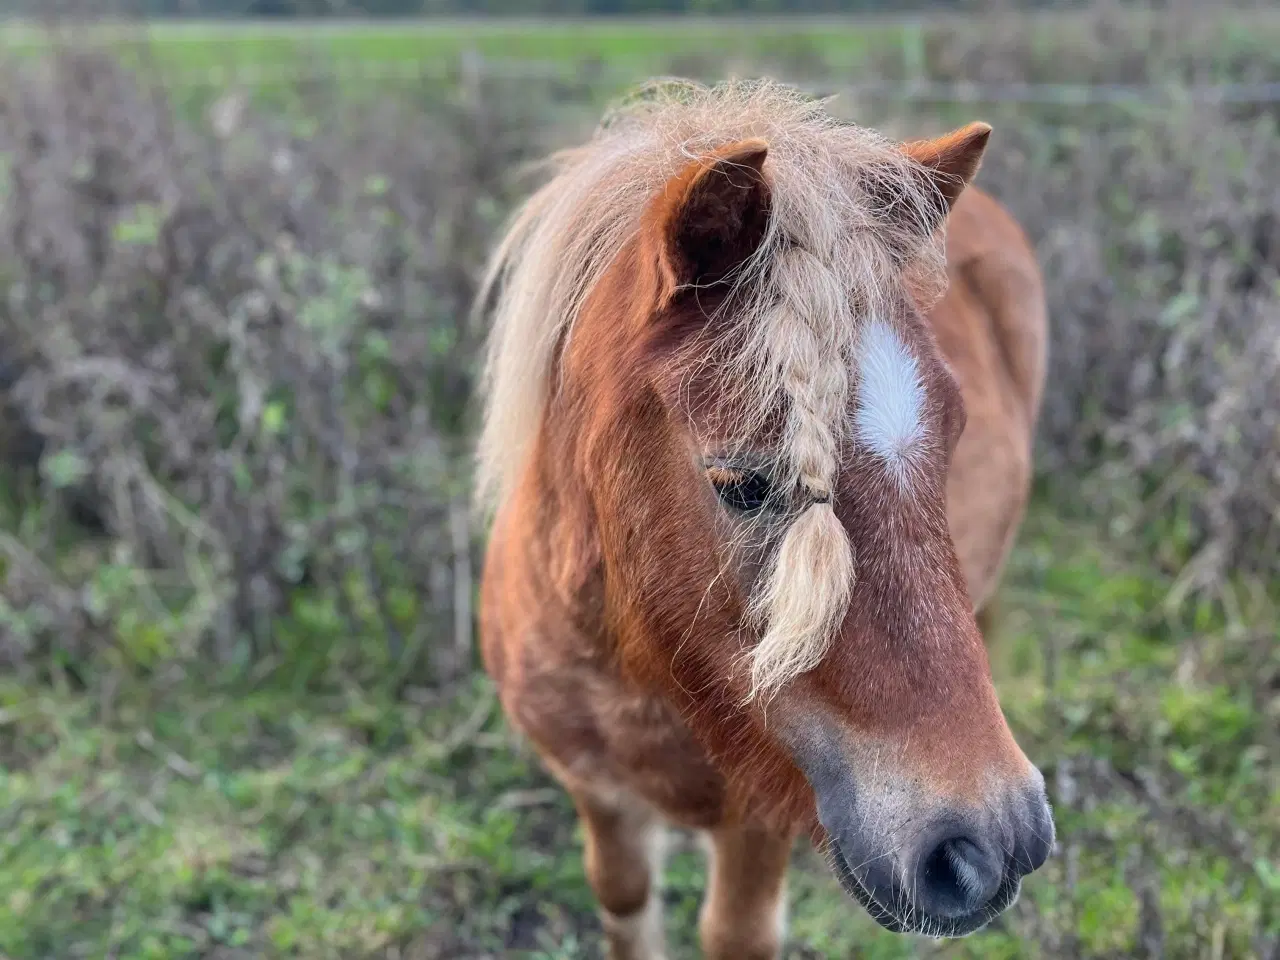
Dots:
{"x": 240, "y": 715}
{"x": 402, "y": 8}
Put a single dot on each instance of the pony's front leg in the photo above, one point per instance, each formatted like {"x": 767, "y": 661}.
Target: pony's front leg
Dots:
{"x": 623, "y": 857}
{"x": 744, "y": 913}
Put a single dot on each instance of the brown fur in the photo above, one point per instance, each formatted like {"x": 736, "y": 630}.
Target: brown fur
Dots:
{"x": 615, "y": 590}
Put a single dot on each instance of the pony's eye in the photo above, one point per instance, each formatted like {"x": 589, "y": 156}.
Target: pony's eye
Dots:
{"x": 743, "y": 490}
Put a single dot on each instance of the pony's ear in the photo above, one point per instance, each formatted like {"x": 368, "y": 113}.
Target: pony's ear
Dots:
{"x": 948, "y": 165}
{"x": 712, "y": 216}
{"x": 952, "y": 161}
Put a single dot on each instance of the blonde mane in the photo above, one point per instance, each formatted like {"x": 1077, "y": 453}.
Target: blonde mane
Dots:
{"x": 832, "y": 258}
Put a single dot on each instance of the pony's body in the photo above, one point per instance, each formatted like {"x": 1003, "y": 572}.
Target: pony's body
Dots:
{"x": 624, "y": 705}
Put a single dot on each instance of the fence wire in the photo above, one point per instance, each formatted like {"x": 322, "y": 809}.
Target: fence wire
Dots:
{"x": 408, "y": 70}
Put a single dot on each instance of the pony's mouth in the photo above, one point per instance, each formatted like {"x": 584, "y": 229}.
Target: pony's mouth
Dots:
{"x": 909, "y": 919}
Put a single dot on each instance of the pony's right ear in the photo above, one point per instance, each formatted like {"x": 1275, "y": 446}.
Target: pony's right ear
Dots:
{"x": 712, "y": 216}
{"x": 944, "y": 167}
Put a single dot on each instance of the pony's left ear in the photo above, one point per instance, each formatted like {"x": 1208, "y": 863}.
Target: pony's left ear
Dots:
{"x": 713, "y": 215}
{"x": 948, "y": 165}
{"x": 951, "y": 161}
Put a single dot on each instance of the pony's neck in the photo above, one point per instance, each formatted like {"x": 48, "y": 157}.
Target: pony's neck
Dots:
{"x": 556, "y": 497}
{"x": 593, "y": 408}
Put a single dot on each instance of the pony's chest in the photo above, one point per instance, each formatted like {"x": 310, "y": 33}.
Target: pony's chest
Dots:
{"x": 596, "y": 729}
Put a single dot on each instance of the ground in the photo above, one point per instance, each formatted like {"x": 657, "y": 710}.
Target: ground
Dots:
{"x": 212, "y": 822}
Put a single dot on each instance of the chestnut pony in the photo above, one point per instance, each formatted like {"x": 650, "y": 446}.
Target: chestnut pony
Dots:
{"x": 757, "y": 439}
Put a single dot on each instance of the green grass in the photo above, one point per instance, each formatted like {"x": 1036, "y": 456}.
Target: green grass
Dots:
{"x": 627, "y": 49}
{"x": 625, "y": 46}
{"x": 202, "y": 822}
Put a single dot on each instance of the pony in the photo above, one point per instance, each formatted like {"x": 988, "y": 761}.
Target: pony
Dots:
{"x": 758, "y": 410}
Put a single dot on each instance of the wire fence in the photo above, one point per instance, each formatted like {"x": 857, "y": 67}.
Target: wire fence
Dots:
{"x": 251, "y": 75}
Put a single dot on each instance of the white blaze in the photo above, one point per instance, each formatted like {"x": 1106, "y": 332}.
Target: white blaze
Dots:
{"x": 890, "y": 396}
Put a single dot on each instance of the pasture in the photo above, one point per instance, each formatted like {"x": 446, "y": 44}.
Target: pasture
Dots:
{"x": 628, "y": 49}
{"x": 240, "y": 713}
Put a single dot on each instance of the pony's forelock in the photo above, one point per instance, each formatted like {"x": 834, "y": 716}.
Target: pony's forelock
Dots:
{"x": 831, "y": 257}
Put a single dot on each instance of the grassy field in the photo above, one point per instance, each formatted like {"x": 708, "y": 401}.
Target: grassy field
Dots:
{"x": 210, "y": 823}
{"x": 623, "y": 45}
{"x": 627, "y": 48}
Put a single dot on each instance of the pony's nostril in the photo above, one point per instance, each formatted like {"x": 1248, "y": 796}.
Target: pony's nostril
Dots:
{"x": 1036, "y": 838}
{"x": 966, "y": 875}
{"x": 956, "y": 878}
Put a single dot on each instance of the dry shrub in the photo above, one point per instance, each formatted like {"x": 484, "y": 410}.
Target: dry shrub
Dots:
{"x": 242, "y": 348}
{"x": 1100, "y": 42}
{"x": 1159, "y": 234}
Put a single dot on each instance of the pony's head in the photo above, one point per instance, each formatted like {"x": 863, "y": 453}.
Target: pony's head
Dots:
{"x": 710, "y": 324}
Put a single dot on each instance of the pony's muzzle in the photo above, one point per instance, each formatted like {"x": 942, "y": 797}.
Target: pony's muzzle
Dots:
{"x": 918, "y": 863}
